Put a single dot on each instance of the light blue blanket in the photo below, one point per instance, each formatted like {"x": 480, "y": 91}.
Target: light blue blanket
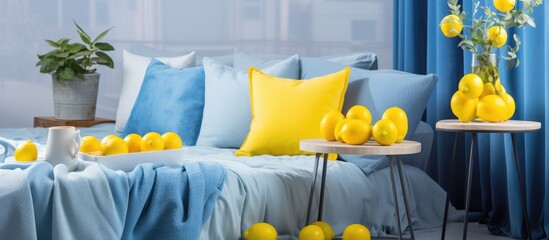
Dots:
{"x": 93, "y": 202}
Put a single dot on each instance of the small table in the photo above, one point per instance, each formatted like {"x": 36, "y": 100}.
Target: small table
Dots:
{"x": 52, "y": 121}
{"x": 323, "y": 147}
{"x": 474, "y": 128}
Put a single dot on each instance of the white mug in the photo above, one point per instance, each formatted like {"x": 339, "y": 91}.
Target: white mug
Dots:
{"x": 63, "y": 146}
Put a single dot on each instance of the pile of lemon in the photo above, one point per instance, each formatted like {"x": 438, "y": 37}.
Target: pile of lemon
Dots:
{"x": 474, "y": 98}
{"x": 111, "y": 144}
{"x": 26, "y": 152}
{"x": 355, "y": 127}
{"x": 315, "y": 231}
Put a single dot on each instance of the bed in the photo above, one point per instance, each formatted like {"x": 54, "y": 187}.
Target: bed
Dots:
{"x": 275, "y": 190}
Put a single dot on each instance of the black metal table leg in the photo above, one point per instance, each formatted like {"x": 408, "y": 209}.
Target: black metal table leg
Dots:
{"x": 469, "y": 183}
{"x": 405, "y": 196}
{"x": 522, "y": 191}
{"x": 393, "y": 185}
{"x": 449, "y": 189}
{"x": 311, "y": 193}
{"x": 322, "y": 187}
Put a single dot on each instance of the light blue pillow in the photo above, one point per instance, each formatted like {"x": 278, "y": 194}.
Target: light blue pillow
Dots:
{"x": 170, "y": 100}
{"x": 227, "y": 111}
{"x": 243, "y": 60}
{"x": 378, "y": 90}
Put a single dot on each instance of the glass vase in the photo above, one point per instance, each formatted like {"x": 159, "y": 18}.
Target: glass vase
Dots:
{"x": 485, "y": 66}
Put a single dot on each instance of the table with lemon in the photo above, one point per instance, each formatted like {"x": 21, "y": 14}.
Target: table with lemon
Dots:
{"x": 353, "y": 133}
{"x": 481, "y": 102}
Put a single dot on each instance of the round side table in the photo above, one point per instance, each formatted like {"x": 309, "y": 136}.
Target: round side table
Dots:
{"x": 323, "y": 147}
{"x": 512, "y": 127}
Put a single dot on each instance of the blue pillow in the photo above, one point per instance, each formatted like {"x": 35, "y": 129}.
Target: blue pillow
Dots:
{"x": 243, "y": 60}
{"x": 378, "y": 90}
{"x": 227, "y": 111}
{"x": 170, "y": 100}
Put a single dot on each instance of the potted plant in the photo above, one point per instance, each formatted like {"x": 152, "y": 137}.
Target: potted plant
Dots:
{"x": 74, "y": 77}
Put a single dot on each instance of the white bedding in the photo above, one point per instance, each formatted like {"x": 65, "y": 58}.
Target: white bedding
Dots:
{"x": 275, "y": 190}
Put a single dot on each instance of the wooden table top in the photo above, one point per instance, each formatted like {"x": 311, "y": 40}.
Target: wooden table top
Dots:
{"x": 510, "y": 126}
{"x": 319, "y": 145}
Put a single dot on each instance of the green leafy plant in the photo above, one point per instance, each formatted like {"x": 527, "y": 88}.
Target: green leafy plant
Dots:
{"x": 476, "y": 38}
{"x": 69, "y": 60}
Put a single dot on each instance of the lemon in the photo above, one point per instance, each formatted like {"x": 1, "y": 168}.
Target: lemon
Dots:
{"x": 152, "y": 142}
{"x": 509, "y": 106}
{"x": 356, "y": 232}
{"x": 504, "y": 5}
{"x": 328, "y": 124}
{"x": 337, "y": 129}
{"x": 385, "y": 132}
{"x": 261, "y": 231}
{"x": 111, "y": 145}
{"x": 25, "y": 152}
{"x": 497, "y": 36}
{"x": 90, "y": 144}
{"x": 471, "y": 86}
{"x": 326, "y": 229}
{"x": 355, "y": 132}
{"x": 500, "y": 89}
{"x": 172, "y": 141}
{"x": 134, "y": 142}
{"x": 311, "y": 232}
{"x": 399, "y": 117}
{"x": 492, "y": 109}
{"x": 361, "y": 113}
{"x": 464, "y": 109}
{"x": 451, "y": 25}
{"x": 487, "y": 90}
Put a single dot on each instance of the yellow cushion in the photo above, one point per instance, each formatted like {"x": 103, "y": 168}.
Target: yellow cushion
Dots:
{"x": 286, "y": 111}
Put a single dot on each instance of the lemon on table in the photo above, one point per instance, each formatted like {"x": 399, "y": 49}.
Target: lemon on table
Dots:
{"x": 152, "y": 142}
{"x": 90, "y": 144}
{"x": 497, "y": 36}
{"x": 509, "y": 106}
{"x": 134, "y": 142}
{"x": 464, "y": 109}
{"x": 471, "y": 86}
{"x": 311, "y": 232}
{"x": 488, "y": 89}
{"x": 504, "y": 5}
{"x": 385, "y": 132}
{"x": 500, "y": 89}
{"x": 172, "y": 141}
{"x": 356, "y": 232}
{"x": 399, "y": 117}
{"x": 337, "y": 129}
{"x": 492, "y": 109}
{"x": 355, "y": 132}
{"x": 25, "y": 152}
{"x": 112, "y": 145}
{"x": 328, "y": 124}
{"x": 361, "y": 113}
{"x": 326, "y": 229}
{"x": 261, "y": 231}
{"x": 451, "y": 25}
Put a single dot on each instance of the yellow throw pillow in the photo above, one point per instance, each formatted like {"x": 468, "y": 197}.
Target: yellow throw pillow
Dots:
{"x": 286, "y": 111}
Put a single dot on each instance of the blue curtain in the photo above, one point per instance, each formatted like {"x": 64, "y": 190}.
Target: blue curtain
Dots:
{"x": 420, "y": 47}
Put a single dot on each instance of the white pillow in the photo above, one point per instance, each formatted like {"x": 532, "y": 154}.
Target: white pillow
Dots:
{"x": 134, "y": 68}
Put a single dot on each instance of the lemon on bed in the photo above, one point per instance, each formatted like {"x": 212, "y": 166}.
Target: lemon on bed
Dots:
{"x": 90, "y": 144}
{"x": 111, "y": 145}
{"x": 25, "y": 152}
{"x": 152, "y": 141}
{"x": 172, "y": 141}
{"x": 134, "y": 142}
{"x": 261, "y": 231}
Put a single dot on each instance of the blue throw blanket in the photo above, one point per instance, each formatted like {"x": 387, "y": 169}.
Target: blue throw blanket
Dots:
{"x": 94, "y": 202}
